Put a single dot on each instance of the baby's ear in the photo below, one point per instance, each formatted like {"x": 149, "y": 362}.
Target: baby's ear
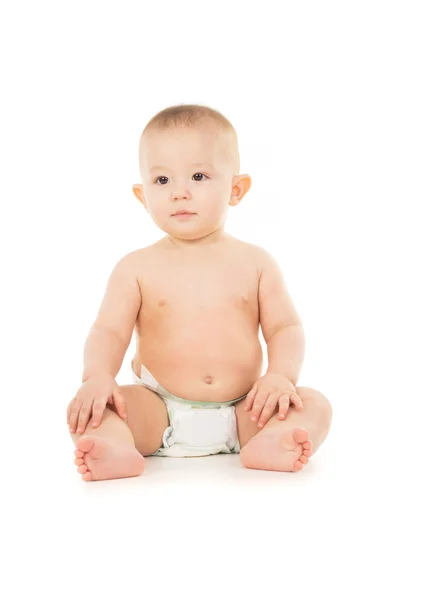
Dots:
{"x": 138, "y": 191}
{"x": 240, "y": 186}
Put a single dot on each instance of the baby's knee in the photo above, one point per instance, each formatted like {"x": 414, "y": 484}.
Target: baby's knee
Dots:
{"x": 317, "y": 399}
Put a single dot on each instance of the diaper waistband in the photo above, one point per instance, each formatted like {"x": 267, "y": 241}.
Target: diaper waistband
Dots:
{"x": 149, "y": 381}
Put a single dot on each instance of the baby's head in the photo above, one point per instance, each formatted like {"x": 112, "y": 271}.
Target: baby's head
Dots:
{"x": 189, "y": 160}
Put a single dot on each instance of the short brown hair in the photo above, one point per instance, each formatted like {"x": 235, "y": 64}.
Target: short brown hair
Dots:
{"x": 190, "y": 115}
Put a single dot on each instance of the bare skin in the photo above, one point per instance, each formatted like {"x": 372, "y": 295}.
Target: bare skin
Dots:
{"x": 200, "y": 309}
{"x": 195, "y": 299}
{"x": 197, "y": 331}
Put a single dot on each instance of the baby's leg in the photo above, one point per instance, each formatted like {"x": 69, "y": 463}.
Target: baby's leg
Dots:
{"x": 116, "y": 448}
{"x": 286, "y": 445}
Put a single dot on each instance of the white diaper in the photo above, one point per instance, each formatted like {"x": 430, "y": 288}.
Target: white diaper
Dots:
{"x": 196, "y": 428}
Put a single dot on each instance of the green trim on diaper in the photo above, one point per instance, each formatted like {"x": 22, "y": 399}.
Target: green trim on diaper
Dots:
{"x": 195, "y": 404}
{"x": 155, "y": 386}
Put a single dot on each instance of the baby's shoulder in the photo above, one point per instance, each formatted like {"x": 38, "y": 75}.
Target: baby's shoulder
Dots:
{"x": 261, "y": 257}
{"x": 134, "y": 261}
{"x": 256, "y": 250}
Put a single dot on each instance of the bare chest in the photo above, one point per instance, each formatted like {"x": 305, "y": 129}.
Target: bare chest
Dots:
{"x": 200, "y": 290}
{"x": 198, "y": 323}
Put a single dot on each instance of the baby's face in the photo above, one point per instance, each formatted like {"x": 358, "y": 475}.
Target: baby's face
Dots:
{"x": 188, "y": 169}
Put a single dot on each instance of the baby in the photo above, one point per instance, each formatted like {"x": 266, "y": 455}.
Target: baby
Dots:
{"x": 195, "y": 299}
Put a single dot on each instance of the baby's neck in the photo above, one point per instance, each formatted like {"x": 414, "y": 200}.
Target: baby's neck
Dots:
{"x": 213, "y": 239}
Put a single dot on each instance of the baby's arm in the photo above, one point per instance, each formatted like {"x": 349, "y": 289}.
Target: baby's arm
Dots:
{"x": 280, "y": 323}
{"x": 110, "y": 334}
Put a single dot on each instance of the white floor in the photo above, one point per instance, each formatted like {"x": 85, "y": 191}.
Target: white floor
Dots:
{"x": 355, "y": 521}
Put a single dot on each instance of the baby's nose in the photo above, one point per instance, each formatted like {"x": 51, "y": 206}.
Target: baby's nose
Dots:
{"x": 181, "y": 194}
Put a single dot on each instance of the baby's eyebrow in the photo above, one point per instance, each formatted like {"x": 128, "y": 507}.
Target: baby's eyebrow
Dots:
{"x": 199, "y": 164}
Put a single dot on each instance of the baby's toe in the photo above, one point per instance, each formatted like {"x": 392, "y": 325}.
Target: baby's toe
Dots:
{"x": 78, "y": 453}
{"x": 85, "y": 443}
{"x": 301, "y": 436}
{"x": 82, "y": 469}
{"x": 87, "y": 476}
{"x": 303, "y": 459}
{"x": 297, "y": 466}
{"x": 78, "y": 461}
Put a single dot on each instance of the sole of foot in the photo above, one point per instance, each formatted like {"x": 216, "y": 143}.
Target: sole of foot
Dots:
{"x": 277, "y": 450}
{"x": 99, "y": 459}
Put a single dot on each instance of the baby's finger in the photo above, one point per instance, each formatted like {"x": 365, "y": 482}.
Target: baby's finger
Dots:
{"x": 98, "y": 411}
{"x": 69, "y": 409}
{"x": 284, "y": 403}
{"x": 250, "y": 398}
{"x": 119, "y": 403}
{"x": 84, "y": 417}
{"x": 296, "y": 401}
{"x": 268, "y": 409}
{"x": 73, "y": 419}
{"x": 259, "y": 403}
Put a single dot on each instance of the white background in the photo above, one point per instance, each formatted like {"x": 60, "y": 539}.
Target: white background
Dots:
{"x": 336, "y": 105}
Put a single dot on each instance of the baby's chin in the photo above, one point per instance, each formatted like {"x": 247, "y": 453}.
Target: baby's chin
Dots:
{"x": 196, "y": 233}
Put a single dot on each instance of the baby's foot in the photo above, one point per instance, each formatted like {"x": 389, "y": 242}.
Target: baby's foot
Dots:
{"x": 97, "y": 458}
{"x": 277, "y": 450}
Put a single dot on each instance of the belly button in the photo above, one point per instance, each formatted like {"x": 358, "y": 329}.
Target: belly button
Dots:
{"x": 208, "y": 379}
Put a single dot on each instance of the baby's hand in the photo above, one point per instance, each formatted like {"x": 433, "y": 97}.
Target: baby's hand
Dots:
{"x": 269, "y": 391}
{"x": 92, "y": 398}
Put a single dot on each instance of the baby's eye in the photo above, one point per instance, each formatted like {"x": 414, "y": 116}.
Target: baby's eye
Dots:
{"x": 163, "y": 177}
{"x": 202, "y": 174}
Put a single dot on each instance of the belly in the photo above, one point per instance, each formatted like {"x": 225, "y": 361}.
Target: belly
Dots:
{"x": 210, "y": 362}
